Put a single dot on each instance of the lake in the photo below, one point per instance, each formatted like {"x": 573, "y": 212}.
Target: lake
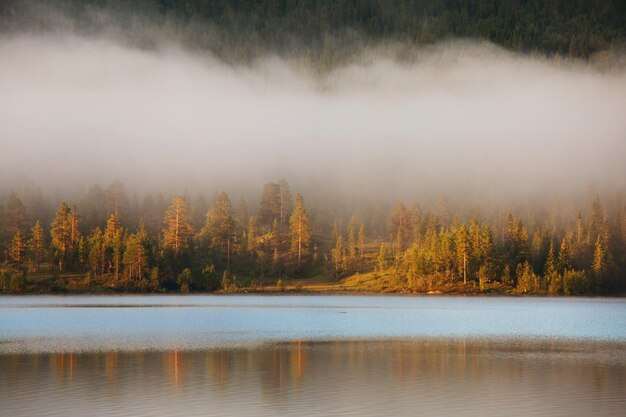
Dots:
{"x": 312, "y": 355}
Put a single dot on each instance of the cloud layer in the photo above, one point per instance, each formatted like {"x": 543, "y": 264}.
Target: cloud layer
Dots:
{"x": 458, "y": 115}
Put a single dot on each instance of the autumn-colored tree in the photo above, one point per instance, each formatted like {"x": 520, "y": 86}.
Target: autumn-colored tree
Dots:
{"x": 338, "y": 254}
{"x": 37, "y": 244}
{"x": 113, "y": 239}
{"x": 461, "y": 244}
{"x": 599, "y": 258}
{"x": 177, "y": 225}
{"x": 382, "y": 258}
{"x": 64, "y": 232}
{"x": 564, "y": 260}
{"x": 17, "y": 247}
{"x": 300, "y": 231}
{"x": 135, "y": 255}
{"x": 251, "y": 238}
{"x": 220, "y": 225}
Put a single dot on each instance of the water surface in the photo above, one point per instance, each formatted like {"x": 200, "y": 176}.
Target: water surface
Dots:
{"x": 312, "y": 355}
{"x": 86, "y": 323}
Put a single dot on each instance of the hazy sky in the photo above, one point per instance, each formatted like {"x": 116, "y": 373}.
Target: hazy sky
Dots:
{"x": 92, "y": 110}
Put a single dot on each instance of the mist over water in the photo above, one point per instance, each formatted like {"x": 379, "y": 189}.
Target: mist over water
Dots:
{"x": 455, "y": 116}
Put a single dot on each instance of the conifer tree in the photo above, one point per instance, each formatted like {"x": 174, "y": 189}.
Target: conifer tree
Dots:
{"x": 65, "y": 233}
{"x": 37, "y": 244}
{"x": 299, "y": 231}
{"x": 599, "y": 258}
{"x": 382, "y": 258}
{"x": 338, "y": 254}
{"x": 565, "y": 260}
{"x": 97, "y": 251}
{"x": 17, "y": 247}
{"x": 177, "y": 225}
{"x": 220, "y": 225}
{"x": 135, "y": 256}
{"x": 113, "y": 236}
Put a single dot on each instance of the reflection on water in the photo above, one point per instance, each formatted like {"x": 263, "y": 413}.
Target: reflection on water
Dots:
{"x": 395, "y": 377}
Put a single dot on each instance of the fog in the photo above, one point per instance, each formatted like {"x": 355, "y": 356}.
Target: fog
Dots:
{"x": 75, "y": 110}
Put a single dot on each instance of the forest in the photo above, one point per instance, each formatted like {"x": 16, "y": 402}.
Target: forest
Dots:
{"x": 110, "y": 240}
{"x": 327, "y": 32}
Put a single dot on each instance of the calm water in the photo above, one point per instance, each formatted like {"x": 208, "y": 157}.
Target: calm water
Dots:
{"x": 312, "y": 355}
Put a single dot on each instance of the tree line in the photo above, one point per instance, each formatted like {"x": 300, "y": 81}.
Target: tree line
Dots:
{"x": 174, "y": 245}
{"x": 242, "y": 30}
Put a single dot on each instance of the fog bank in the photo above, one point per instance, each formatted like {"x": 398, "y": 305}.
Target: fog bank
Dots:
{"x": 463, "y": 115}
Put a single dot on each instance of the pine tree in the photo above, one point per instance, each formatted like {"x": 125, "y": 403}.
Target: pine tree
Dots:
{"x": 565, "y": 259}
{"x": 551, "y": 274}
{"x": 299, "y": 231}
{"x": 599, "y": 258}
{"x": 550, "y": 267}
{"x": 65, "y": 233}
{"x": 177, "y": 225}
{"x": 220, "y": 225}
{"x": 461, "y": 243}
{"x": 113, "y": 236}
{"x": 97, "y": 251}
{"x": 135, "y": 256}
{"x": 17, "y": 247}
{"x": 338, "y": 254}
{"x": 37, "y": 244}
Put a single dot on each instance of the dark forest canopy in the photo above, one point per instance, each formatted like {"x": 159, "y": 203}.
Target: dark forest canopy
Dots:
{"x": 239, "y": 31}
{"x": 110, "y": 240}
